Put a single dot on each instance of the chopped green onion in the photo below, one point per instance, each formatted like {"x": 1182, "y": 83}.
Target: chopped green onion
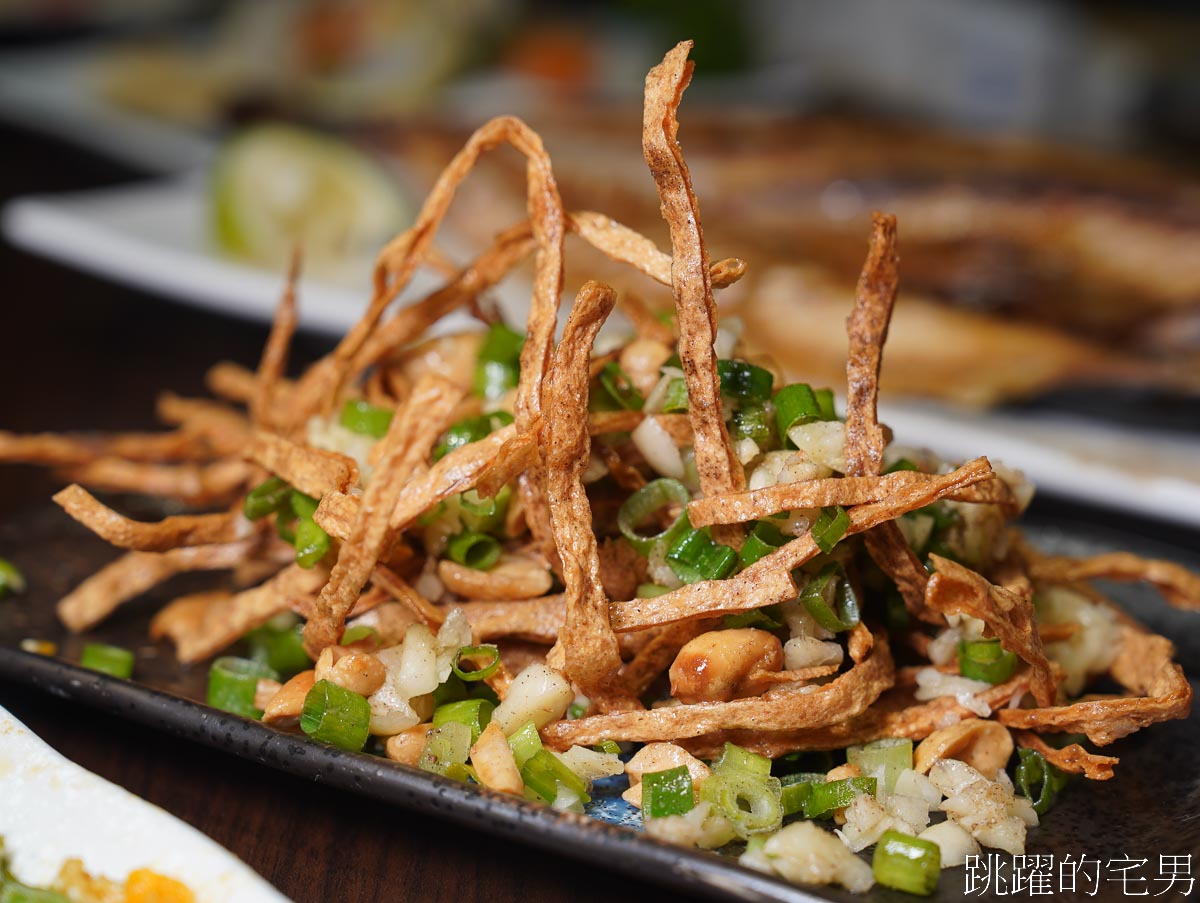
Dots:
{"x": 498, "y": 365}
{"x": 795, "y": 404}
{"x": 735, "y": 758}
{"x": 620, "y": 390}
{"x": 284, "y": 521}
{"x": 482, "y": 673}
{"x": 985, "y": 660}
{"x": 751, "y": 801}
{"x": 667, "y": 792}
{"x": 649, "y": 501}
{"x": 576, "y": 711}
{"x": 266, "y": 498}
{"x": 544, "y": 771}
{"x": 279, "y": 646}
{"x": 609, "y": 747}
{"x": 675, "y": 398}
{"x": 830, "y": 599}
{"x": 829, "y": 528}
{"x": 650, "y": 590}
{"x": 767, "y": 618}
{"x": 358, "y": 633}
{"x": 825, "y": 403}
{"x": 450, "y": 690}
{"x": 468, "y": 430}
{"x": 751, "y": 421}
{"x": 475, "y": 550}
{"x": 447, "y": 746}
{"x": 794, "y": 795}
{"x": 524, "y": 743}
{"x": 474, "y": 713}
{"x": 111, "y": 660}
{"x": 901, "y": 464}
{"x": 481, "y": 515}
{"x": 367, "y": 419}
{"x": 303, "y": 506}
{"x": 694, "y": 556}
{"x": 312, "y": 543}
{"x": 907, "y": 863}
{"x": 836, "y": 795}
{"x": 233, "y": 683}
{"x": 1039, "y": 781}
{"x": 744, "y": 381}
{"x": 336, "y": 716}
{"x": 13, "y": 892}
{"x": 764, "y": 539}
{"x": 892, "y": 754}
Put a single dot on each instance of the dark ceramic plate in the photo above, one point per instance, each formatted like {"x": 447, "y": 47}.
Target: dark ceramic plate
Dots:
{"x": 1151, "y": 809}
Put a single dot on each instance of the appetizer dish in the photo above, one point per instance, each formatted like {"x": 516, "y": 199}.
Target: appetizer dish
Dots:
{"x": 532, "y": 565}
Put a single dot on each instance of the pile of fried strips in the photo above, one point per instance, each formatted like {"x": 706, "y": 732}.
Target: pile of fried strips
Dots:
{"x": 612, "y": 647}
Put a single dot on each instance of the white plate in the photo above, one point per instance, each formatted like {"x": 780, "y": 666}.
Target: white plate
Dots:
{"x": 153, "y": 236}
{"x": 55, "y": 810}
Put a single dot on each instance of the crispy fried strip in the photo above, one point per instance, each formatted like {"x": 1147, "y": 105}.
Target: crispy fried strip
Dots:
{"x": 1073, "y": 759}
{"x": 415, "y": 426}
{"x": 1143, "y": 666}
{"x": 220, "y": 429}
{"x": 535, "y": 620}
{"x": 233, "y": 382}
{"x": 890, "y": 551}
{"x": 591, "y": 656}
{"x": 136, "y": 572}
{"x": 784, "y": 709}
{"x": 867, "y": 329}
{"x": 768, "y": 581}
{"x": 1178, "y": 585}
{"x": 196, "y": 484}
{"x": 691, "y": 281}
{"x": 59, "y": 449}
{"x": 954, "y": 589}
{"x": 400, "y": 590}
{"x": 169, "y": 533}
{"x": 751, "y": 504}
{"x": 313, "y": 471}
{"x": 225, "y": 620}
{"x": 275, "y": 353}
{"x": 645, "y": 323}
{"x": 518, "y": 454}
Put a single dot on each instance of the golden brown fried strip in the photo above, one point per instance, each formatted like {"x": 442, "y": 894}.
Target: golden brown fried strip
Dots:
{"x": 768, "y": 581}
{"x": 645, "y": 322}
{"x": 954, "y": 589}
{"x": 535, "y": 620}
{"x": 867, "y": 329}
{"x": 169, "y": 533}
{"x": 1073, "y": 759}
{"x": 783, "y": 709}
{"x": 591, "y": 656}
{"x": 414, "y": 428}
{"x": 218, "y": 430}
{"x": 1178, "y": 585}
{"x": 400, "y": 590}
{"x": 751, "y": 504}
{"x": 195, "y": 484}
{"x": 1143, "y": 666}
{"x": 225, "y": 620}
{"x": 135, "y": 572}
{"x": 275, "y": 353}
{"x": 890, "y": 551}
{"x": 519, "y": 452}
{"x": 691, "y": 281}
{"x": 58, "y": 449}
{"x": 313, "y": 471}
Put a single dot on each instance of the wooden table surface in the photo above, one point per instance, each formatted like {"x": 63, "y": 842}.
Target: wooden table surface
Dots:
{"x": 83, "y": 353}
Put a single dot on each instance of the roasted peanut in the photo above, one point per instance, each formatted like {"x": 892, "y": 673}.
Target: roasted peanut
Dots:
{"x": 716, "y": 666}
{"x": 984, "y": 745}
{"x": 285, "y": 706}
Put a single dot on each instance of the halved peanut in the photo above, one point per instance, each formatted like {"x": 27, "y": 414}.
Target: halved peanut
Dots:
{"x": 512, "y": 577}
{"x": 492, "y": 758}
{"x": 984, "y": 745}
{"x": 716, "y": 666}
{"x": 407, "y": 745}
{"x": 285, "y": 706}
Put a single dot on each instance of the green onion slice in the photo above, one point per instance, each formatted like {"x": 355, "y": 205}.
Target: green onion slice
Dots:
{"x": 475, "y": 550}
{"x": 667, "y": 792}
{"x": 829, "y": 528}
{"x": 233, "y": 682}
{"x": 745, "y": 381}
{"x": 752, "y": 802}
{"x": 608, "y": 747}
{"x": 266, "y": 498}
{"x": 544, "y": 771}
{"x": 1039, "y": 781}
{"x": 650, "y": 500}
{"x": 524, "y": 742}
{"x": 907, "y": 863}
{"x": 447, "y": 746}
{"x": 751, "y": 421}
{"x": 337, "y": 716}
{"x": 365, "y": 418}
{"x": 794, "y": 795}
{"x": 986, "y": 660}
{"x": 359, "y": 633}
{"x": 111, "y": 660}
{"x": 619, "y": 389}
{"x": 836, "y": 795}
{"x": 483, "y": 672}
{"x": 498, "y": 366}
{"x": 735, "y": 758}
{"x": 892, "y": 754}
{"x": 694, "y": 556}
{"x": 900, "y": 464}
{"x": 303, "y": 506}
{"x": 764, "y": 539}
{"x": 795, "y": 404}
{"x": 830, "y": 599}
{"x": 468, "y": 430}
{"x": 279, "y": 645}
{"x": 312, "y": 543}
{"x": 768, "y": 618}
{"x": 675, "y": 398}
{"x": 11, "y": 578}
{"x": 474, "y": 713}
{"x": 650, "y": 590}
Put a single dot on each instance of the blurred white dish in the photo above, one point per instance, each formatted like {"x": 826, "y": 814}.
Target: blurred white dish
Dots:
{"x": 55, "y": 810}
